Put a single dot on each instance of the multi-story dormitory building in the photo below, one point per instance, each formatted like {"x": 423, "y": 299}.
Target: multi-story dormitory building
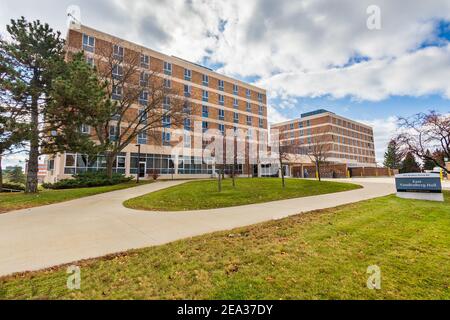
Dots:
{"x": 350, "y": 142}
{"x": 217, "y": 101}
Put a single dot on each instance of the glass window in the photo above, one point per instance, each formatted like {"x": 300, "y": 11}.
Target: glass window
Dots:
{"x": 70, "y": 160}
{"x": 167, "y": 68}
{"x": 249, "y": 120}
{"x": 236, "y": 117}
{"x": 117, "y": 72}
{"x": 221, "y": 99}
{"x": 248, "y": 93}
{"x": 144, "y": 79}
{"x": 142, "y": 137}
{"x": 204, "y": 126}
{"x": 261, "y": 123}
{"x": 235, "y": 103}
{"x": 166, "y": 121}
{"x": 165, "y": 137}
{"x": 261, "y": 110}
{"x": 145, "y": 61}
{"x": 187, "y": 90}
{"x": 187, "y": 124}
{"x": 116, "y": 93}
{"x": 118, "y": 52}
{"x": 248, "y": 107}
{"x": 222, "y": 128}
{"x": 235, "y": 88}
{"x": 205, "y": 112}
{"x": 166, "y": 103}
{"x": 167, "y": 83}
{"x": 88, "y": 43}
{"x": 220, "y": 85}
{"x": 205, "y": 80}
{"x": 205, "y": 95}
{"x": 113, "y": 133}
{"x": 143, "y": 98}
{"x": 187, "y": 74}
{"x": 85, "y": 129}
{"x": 221, "y": 114}
{"x": 143, "y": 116}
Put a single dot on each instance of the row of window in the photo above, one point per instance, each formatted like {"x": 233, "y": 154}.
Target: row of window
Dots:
{"x": 118, "y": 52}
{"x": 78, "y": 163}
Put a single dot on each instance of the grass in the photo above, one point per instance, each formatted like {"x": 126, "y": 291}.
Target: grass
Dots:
{"x": 16, "y": 201}
{"x": 319, "y": 255}
{"x": 197, "y": 195}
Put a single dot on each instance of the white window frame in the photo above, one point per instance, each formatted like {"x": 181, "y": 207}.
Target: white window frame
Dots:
{"x": 167, "y": 68}
{"x": 88, "y": 46}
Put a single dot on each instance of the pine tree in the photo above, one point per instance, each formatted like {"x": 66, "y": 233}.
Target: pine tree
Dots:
{"x": 393, "y": 156}
{"x": 16, "y": 175}
{"x": 428, "y": 164}
{"x": 409, "y": 164}
{"x": 33, "y": 62}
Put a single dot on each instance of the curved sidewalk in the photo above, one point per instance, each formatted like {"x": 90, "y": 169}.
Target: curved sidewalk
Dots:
{"x": 95, "y": 226}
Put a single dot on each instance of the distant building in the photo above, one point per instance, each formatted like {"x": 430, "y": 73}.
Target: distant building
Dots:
{"x": 352, "y": 143}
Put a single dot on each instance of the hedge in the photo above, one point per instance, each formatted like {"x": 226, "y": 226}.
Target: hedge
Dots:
{"x": 88, "y": 179}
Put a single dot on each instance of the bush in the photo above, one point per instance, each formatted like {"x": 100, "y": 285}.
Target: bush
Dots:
{"x": 154, "y": 174}
{"x": 87, "y": 180}
{"x": 14, "y": 186}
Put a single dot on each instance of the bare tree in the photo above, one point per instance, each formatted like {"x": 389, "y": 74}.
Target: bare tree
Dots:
{"x": 145, "y": 104}
{"x": 425, "y": 131}
{"x": 319, "y": 148}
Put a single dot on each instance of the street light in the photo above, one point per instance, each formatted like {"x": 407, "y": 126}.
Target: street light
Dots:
{"x": 138, "y": 163}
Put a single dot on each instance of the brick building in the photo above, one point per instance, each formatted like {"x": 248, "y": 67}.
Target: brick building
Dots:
{"x": 350, "y": 143}
{"x": 217, "y": 101}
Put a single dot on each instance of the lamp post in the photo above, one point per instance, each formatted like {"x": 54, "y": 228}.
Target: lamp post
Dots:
{"x": 138, "y": 163}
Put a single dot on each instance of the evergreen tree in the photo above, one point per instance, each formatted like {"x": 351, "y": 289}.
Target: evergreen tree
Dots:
{"x": 393, "y": 156}
{"x": 428, "y": 164}
{"x": 16, "y": 175}
{"x": 409, "y": 164}
{"x": 34, "y": 64}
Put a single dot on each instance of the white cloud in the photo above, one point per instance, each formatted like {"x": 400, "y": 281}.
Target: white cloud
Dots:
{"x": 383, "y": 130}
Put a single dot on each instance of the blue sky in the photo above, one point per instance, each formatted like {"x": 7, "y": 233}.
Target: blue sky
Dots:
{"x": 308, "y": 54}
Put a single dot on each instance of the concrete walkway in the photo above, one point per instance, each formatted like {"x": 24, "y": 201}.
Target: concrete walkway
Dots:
{"x": 42, "y": 237}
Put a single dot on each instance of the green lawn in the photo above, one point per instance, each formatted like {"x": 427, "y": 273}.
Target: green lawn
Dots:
{"x": 15, "y": 201}
{"x": 318, "y": 255}
{"x": 204, "y": 194}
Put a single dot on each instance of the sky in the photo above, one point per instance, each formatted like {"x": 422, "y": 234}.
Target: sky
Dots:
{"x": 308, "y": 54}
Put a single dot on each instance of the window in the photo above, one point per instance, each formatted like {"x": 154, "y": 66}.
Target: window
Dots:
{"x": 260, "y": 97}
{"x": 187, "y": 140}
{"x": 167, "y": 68}
{"x": 308, "y": 123}
{"x": 221, "y": 99}
{"x": 302, "y": 133}
{"x": 165, "y": 138}
{"x": 222, "y": 128}
{"x": 70, "y": 163}
{"x": 143, "y": 116}
{"x": 221, "y": 114}
{"x": 187, "y": 108}
{"x": 142, "y": 137}
{"x": 248, "y": 93}
{"x": 118, "y": 52}
{"x": 117, "y": 92}
{"x": 248, "y": 107}
{"x": 90, "y": 61}
{"x": 261, "y": 123}
{"x": 205, "y": 112}
{"x": 88, "y": 43}
{"x": 145, "y": 61}
{"x": 187, "y": 74}
{"x": 220, "y": 85}
{"x": 166, "y": 103}
{"x": 117, "y": 72}
{"x": 235, "y": 89}
{"x": 166, "y": 121}
{"x": 187, "y": 90}
{"x": 205, "y": 95}
{"x": 85, "y": 129}
{"x": 204, "y": 126}
{"x": 51, "y": 164}
{"x": 144, "y": 79}
{"x": 143, "y": 98}
{"x": 167, "y": 83}
{"x": 300, "y": 124}
{"x": 187, "y": 124}
{"x": 235, "y": 103}
{"x": 291, "y": 126}
{"x": 249, "y": 120}
{"x": 113, "y": 133}
{"x": 261, "y": 110}
{"x": 205, "y": 80}
{"x": 236, "y": 117}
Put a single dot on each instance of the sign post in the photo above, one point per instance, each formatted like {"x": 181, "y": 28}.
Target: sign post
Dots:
{"x": 421, "y": 186}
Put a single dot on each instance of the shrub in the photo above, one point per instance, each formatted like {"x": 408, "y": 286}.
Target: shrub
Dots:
{"x": 154, "y": 174}
{"x": 14, "y": 186}
{"x": 88, "y": 179}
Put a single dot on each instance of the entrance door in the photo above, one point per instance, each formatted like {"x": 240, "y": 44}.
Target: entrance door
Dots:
{"x": 142, "y": 169}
